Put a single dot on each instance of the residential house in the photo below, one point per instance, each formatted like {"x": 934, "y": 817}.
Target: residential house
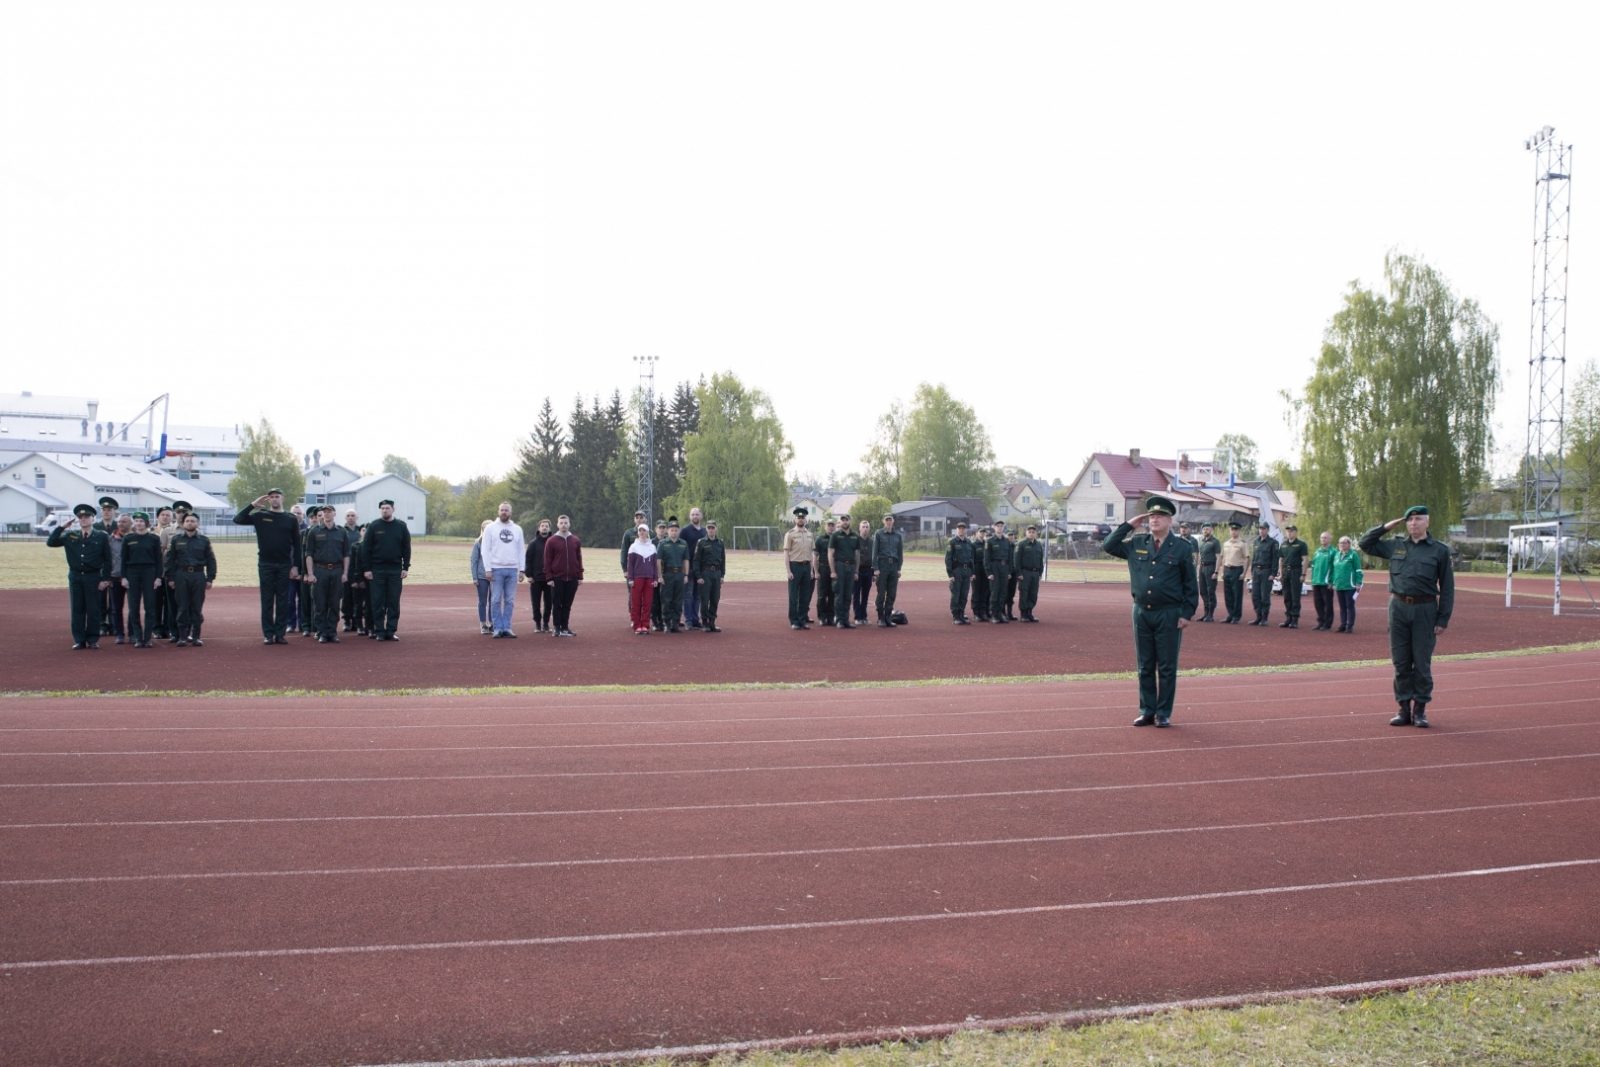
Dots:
{"x": 1112, "y": 487}
{"x": 363, "y": 494}
{"x": 1027, "y": 499}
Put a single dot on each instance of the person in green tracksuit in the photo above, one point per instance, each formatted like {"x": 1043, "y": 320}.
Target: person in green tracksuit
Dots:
{"x": 709, "y": 566}
{"x": 88, "y": 551}
{"x": 1346, "y": 580}
{"x": 958, "y": 560}
{"x": 842, "y": 548}
{"x": 1165, "y": 592}
{"x": 997, "y": 561}
{"x": 1322, "y": 581}
{"x": 673, "y": 554}
{"x": 1292, "y": 557}
{"x": 1030, "y": 570}
{"x": 1422, "y": 596}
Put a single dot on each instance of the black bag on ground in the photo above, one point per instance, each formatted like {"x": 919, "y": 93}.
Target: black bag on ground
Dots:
{"x": 898, "y": 618}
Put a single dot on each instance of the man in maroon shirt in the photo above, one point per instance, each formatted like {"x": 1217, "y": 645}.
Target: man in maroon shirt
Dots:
{"x": 563, "y": 566}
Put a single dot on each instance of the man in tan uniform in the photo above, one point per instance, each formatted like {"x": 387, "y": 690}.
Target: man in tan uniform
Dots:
{"x": 799, "y": 553}
{"x": 1235, "y": 557}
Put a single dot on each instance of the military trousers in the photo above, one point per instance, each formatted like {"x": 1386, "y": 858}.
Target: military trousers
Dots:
{"x": 326, "y": 593}
{"x": 275, "y": 598}
{"x": 386, "y": 583}
{"x": 1208, "y": 588}
{"x": 863, "y": 595}
{"x": 86, "y": 619}
{"x": 960, "y": 586}
{"x": 799, "y": 593}
{"x": 1261, "y": 592}
{"x": 1292, "y": 581}
{"x": 141, "y": 596}
{"x": 1028, "y": 592}
{"x": 672, "y": 587}
{"x": 1411, "y": 641}
{"x": 888, "y": 590}
{"x": 1156, "y": 642}
{"x": 307, "y": 607}
{"x": 844, "y": 590}
{"x": 691, "y": 605}
{"x": 117, "y": 600}
{"x": 1233, "y": 591}
{"x": 710, "y": 597}
{"x": 189, "y": 599}
{"x": 165, "y": 604}
{"x": 1011, "y": 594}
{"x": 980, "y": 594}
{"x": 999, "y": 582}
{"x": 825, "y": 596}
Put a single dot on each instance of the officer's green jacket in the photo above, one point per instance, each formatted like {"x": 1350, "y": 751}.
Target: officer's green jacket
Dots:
{"x": 1265, "y": 557}
{"x": 709, "y": 553}
{"x": 1293, "y": 554}
{"x": 1322, "y": 565}
{"x": 843, "y": 545}
{"x": 959, "y": 556}
{"x": 141, "y": 550}
{"x": 997, "y": 552}
{"x": 1157, "y": 577}
{"x": 674, "y": 554}
{"x": 191, "y": 550}
{"x": 1209, "y": 548}
{"x": 888, "y": 550}
{"x": 358, "y": 556}
{"x": 325, "y": 544}
{"x": 386, "y": 543}
{"x": 821, "y": 545}
{"x": 1030, "y": 556}
{"x": 1416, "y": 568}
{"x": 85, "y": 551}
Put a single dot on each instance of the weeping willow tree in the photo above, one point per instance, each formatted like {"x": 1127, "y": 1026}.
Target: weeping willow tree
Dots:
{"x": 1398, "y": 411}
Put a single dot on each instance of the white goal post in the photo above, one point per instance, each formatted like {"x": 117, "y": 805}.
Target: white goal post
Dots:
{"x": 1556, "y": 545}
{"x": 751, "y": 538}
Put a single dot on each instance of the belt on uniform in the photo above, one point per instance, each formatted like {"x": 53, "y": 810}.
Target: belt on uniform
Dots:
{"x": 191, "y": 570}
{"x": 88, "y": 570}
{"x": 1416, "y": 599}
{"x": 331, "y": 565}
{"x": 711, "y": 568}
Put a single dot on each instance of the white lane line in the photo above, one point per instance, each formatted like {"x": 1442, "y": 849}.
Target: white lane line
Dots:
{"x": 1383, "y": 738}
{"x": 759, "y": 804}
{"x": 821, "y": 924}
{"x": 843, "y": 850}
{"x": 1082, "y": 1017}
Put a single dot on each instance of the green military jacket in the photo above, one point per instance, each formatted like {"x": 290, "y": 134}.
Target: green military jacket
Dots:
{"x": 843, "y": 545}
{"x": 85, "y": 551}
{"x": 1030, "y": 556}
{"x": 327, "y": 544}
{"x": 997, "y": 552}
{"x": 1293, "y": 554}
{"x": 1416, "y": 568}
{"x": 1265, "y": 557}
{"x": 958, "y": 556}
{"x": 1157, "y": 577}
{"x": 191, "y": 550}
{"x": 1209, "y": 548}
{"x": 141, "y": 550}
{"x": 824, "y": 564}
{"x": 1322, "y": 565}
{"x": 888, "y": 550}
{"x": 674, "y": 554}
{"x": 709, "y": 554}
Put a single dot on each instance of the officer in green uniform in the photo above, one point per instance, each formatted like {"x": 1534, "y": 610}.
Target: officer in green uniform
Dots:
{"x": 1263, "y": 568}
{"x": 191, "y": 568}
{"x": 980, "y": 579}
{"x": 842, "y": 549}
{"x": 1422, "y": 596}
{"x": 674, "y": 558}
{"x": 386, "y": 552}
{"x": 657, "y": 622}
{"x": 958, "y": 559}
{"x": 327, "y": 570}
{"x": 1292, "y": 557}
{"x": 1208, "y": 548}
{"x": 825, "y": 576}
{"x": 141, "y": 577}
{"x": 1030, "y": 570}
{"x": 278, "y": 557}
{"x": 709, "y": 566}
{"x": 997, "y": 568}
{"x": 88, "y": 572}
{"x": 1161, "y": 576}
{"x": 108, "y": 526}
{"x": 888, "y": 557}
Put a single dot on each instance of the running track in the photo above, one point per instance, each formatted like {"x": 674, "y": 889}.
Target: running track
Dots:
{"x": 380, "y": 880}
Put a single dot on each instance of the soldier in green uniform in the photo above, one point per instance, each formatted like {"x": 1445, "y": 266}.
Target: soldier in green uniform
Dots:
{"x": 278, "y": 558}
{"x": 88, "y": 551}
{"x": 997, "y": 568}
{"x": 1030, "y": 571}
{"x": 1011, "y": 582}
{"x": 673, "y": 555}
{"x": 1165, "y": 591}
{"x": 108, "y": 526}
{"x": 1263, "y": 568}
{"x": 888, "y": 557}
{"x": 658, "y": 621}
{"x": 386, "y": 553}
{"x": 1208, "y": 549}
{"x": 141, "y": 578}
{"x": 980, "y": 578}
{"x": 327, "y": 570}
{"x": 958, "y": 559}
{"x": 842, "y": 549}
{"x": 709, "y": 566}
{"x": 1292, "y": 557}
{"x": 825, "y": 576}
{"x": 1422, "y": 596}
{"x": 191, "y": 567}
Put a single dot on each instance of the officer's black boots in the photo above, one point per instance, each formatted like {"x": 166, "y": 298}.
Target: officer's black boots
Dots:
{"x": 1404, "y": 718}
{"x": 1419, "y": 715}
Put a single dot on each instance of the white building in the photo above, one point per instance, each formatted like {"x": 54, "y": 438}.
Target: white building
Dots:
{"x": 75, "y": 479}
{"x": 22, "y": 506}
{"x": 363, "y": 494}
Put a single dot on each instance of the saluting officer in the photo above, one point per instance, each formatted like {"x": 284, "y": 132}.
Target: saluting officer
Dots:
{"x": 958, "y": 567}
{"x": 1030, "y": 571}
{"x": 191, "y": 568}
{"x": 1422, "y": 596}
{"x": 277, "y": 560}
{"x": 710, "y": 565}
{"x": 1292, "y": 557}
{"x": 386, "y": 551}
{"x": 88, "y": 550}
{"x": 1165, "y": 593}
{"x": 799, "y": 553}
{"x": 673, "y": 555}
{"x": 888, "y": 557}
{"x": 997, "y": 566}
{"x": 1209, "y": 549}
{"x": 824, "y": 574}
{"x": 327, "y": 569}
{"x": 1263, "y": 568}
{"x": 141, "y": 578}
{"x": 842, "y": 549}
{"x": 1235, "y": 556}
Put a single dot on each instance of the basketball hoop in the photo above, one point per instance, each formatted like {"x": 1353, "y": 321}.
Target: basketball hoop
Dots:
{"x": 185, "y": 460}
{"x": 1204, "y": 468}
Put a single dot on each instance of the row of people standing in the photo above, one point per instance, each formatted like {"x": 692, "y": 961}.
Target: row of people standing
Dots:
{"x": 842, "y": 563}
{"x": 551, "y": 562}
{"x": 1335, "y": 575}
{"x": 998, "y": 570}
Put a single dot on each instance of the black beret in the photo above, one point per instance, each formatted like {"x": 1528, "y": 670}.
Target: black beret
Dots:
{"x": 381, "y": 503}
{"x": 271, "y": 491}
{"x": 1416, "y": 509}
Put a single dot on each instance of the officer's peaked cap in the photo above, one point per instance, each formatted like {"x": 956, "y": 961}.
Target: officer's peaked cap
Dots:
{"x": 182, "y": 505}
{"x": 802, "y": 512}
{"x": 83, "y": 509}
{"x": 1235, "y": 526}
{"x": 108, "y": 501}
{"x": 1160, "y": 505}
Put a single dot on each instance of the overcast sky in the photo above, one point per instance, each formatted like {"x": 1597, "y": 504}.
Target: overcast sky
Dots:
{"x": 396, "y": 228}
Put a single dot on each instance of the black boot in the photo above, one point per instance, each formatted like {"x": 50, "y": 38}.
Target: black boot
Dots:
{"x": 1419, "y": 714}
{"x": 1404, "y": 718}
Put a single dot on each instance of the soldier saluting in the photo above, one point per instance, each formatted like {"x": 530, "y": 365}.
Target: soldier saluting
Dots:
{"x": 191, "y": 568}
{"x": 1422, "y": 596}
{"x": 1165, "y": 594}
{"x": 277, "y": 560}
{"x": 88, "y": 573}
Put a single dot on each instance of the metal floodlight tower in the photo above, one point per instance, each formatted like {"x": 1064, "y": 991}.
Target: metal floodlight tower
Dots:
{"x": 1547, "y": 335}
{"x": 646, "y": 436}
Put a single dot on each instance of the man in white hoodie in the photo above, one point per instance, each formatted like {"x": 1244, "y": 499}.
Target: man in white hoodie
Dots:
{"x": 502, "y": 551}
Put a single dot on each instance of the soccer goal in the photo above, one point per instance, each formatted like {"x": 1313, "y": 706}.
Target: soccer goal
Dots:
{"x": 1541, "y": 554}
{"x": 754, "y": 538}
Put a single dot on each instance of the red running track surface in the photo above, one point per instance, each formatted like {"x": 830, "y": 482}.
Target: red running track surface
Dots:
{"x": 389, "y": 879}
{"x": 1085, "y": 629}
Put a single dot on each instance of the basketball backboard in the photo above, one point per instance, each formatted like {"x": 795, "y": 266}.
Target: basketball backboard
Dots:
{"x": 1204, "y": 468}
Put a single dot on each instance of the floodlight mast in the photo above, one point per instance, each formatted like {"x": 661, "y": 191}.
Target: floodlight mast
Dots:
{"x": 645, "y": 438}
{"x": 1547, "y": 332}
